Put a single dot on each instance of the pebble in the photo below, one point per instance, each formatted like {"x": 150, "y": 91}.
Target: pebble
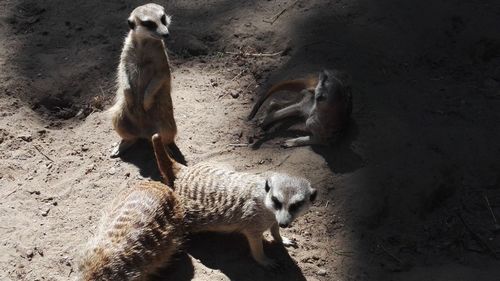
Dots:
{"x": 112, "y": 171}
{"x": 29, "y": 254}
{"x": 235, "y": 94}
{"x": 26, "y": 137}
{"x": 45, "y": 212}
{"x": 321, "y": 272}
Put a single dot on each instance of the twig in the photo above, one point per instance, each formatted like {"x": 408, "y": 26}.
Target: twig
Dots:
{"x": 390, "y": 254}
{"x": 327, "y": 202}
{"x": 238, "y": 75}
{"x": 280, "y": 13}
{"x": 238, "y": 144}
{"x": 283, "y": 161}
{"x": 489, "y": 208}
{"x": 10, "y": 193}
{"x": 478, "y": 237}
{"x": 255, "y": 54}
{"x": 38, "y": 149}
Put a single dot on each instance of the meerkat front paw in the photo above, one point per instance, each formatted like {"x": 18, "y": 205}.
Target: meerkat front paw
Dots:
{"x": 288, "y": 143}
{"x": 288, "y": 242}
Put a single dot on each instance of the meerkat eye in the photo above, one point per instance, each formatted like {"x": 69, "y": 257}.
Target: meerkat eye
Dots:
{"x": 164, "y": 20}
{"x": 276, "y": 202}
{"x": 149, "y": 24}
{"x": 295, "y": 206}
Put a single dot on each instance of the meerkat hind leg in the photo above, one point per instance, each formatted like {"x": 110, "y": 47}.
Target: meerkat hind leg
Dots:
{"x": 289, "y": 111}
{"x": 257, "y": 250}
{"x": 121, "y": 147}
{"x": 300, "y": 141}
{"x": 275, "y": 232}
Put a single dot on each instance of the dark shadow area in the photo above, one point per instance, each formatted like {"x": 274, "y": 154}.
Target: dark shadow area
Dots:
{"x": 230, "y": 254}
{"x": 141, "y": 154}
{"x": 424, "y": 110}
{"x": 339, "y": 155}
{"x": 180, "y": 269}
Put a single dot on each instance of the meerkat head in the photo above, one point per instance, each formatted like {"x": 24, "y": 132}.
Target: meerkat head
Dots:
{"x": 288, "y": 197}
{"x": 149, "y": 21}
{"x": 333, "y": 85}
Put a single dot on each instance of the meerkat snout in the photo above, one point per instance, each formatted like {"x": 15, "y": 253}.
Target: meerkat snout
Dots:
{"x": 150, "y": 20}
{"x": 288, "y": 197}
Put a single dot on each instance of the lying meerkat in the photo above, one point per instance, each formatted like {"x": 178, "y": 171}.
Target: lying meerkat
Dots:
{"x": 139, "y": 234}
{"x": 326, "y": 107}
{"x": 223, "y": 200}
{"x": 143, "y": 104}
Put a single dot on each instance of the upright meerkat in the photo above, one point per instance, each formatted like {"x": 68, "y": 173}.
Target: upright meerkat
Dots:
{"x": 138, "y": 235}
{"x": 223, "y": 200}
{"x": 326, "y": 107}
{"x": 143, "y": 104}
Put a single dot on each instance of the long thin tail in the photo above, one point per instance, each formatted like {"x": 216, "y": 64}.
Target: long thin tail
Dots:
{"x": 289, "y": 85}
{"x": 167, "y": 165}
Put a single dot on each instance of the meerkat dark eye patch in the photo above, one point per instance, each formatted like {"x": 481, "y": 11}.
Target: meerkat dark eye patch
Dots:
{"x": 131, "y": 24}
{"x": 149, "y": 24}
{"x": 164, "y": 20}
{"x": 295, "y": 206}
{"x": 267, "y": 187}
{"x": 313, "y": 195}
{"x": 277, "y": 203}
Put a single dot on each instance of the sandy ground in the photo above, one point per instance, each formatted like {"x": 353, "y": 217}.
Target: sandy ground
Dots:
{"x": 402, "y": 197}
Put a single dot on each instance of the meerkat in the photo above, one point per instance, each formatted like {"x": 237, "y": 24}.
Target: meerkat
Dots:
{"x": 326, "y": 107}
{"x": 138, "y": 235}
{"x": 220, "y": 199}
{"x": 143, "y": 103}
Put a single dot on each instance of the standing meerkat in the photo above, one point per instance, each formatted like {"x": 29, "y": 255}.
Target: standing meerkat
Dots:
{"x": 326, "y": 107}
{"x": 220, "y": 199}
{"x": 143, "y": 104}
{"x": 138, "y": 235}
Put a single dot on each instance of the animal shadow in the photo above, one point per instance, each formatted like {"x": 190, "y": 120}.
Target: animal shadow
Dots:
{"x": 180, "y": 269}
{"x": 141, "y": 154}
{"x": 339, "y": 156}
{"x": 230, "y": 254}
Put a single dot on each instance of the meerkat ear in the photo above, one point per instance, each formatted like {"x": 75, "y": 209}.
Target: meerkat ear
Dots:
{"x": 313, "y": 195}
{"x": 131, "y": 23}
{"x": 267, "y": 186}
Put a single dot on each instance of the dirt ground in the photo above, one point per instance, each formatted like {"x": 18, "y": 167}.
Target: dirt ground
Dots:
{"x": 410, "y": 193}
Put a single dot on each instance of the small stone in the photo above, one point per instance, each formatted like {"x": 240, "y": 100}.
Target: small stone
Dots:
{"x": 127, "y": 174}
{"x": 45, "y": 212}
{"x": 112, "y": 171}
{"x": 235, "y": 94}
{"x": 26, "y": 137}
{"x": 29, "y": 254}
{"x": 321, "y": 272}
{"x": 39, "y": 251}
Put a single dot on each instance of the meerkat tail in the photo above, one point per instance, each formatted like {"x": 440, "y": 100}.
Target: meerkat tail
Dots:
{"x": 289, "y": 85}
{"x": 168, "y": 167}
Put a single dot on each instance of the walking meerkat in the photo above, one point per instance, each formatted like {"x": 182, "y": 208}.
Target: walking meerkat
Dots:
{"x": 326, "y": 107}
{"x": 221, "y": 199}
{"x": 139, "y": 234}
{"x": 143, "y": 103}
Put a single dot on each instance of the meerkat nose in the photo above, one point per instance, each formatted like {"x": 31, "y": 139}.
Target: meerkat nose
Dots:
{"x": 166, "y": 35}
{"x": 284, "y": 225}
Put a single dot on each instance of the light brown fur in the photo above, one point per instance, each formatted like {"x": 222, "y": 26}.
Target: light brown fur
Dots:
{"x": 220, "y": 199}
{"x": 143, "y": 104}
{"x": 326, "y": 107}
{"x": 139, "y": 233}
